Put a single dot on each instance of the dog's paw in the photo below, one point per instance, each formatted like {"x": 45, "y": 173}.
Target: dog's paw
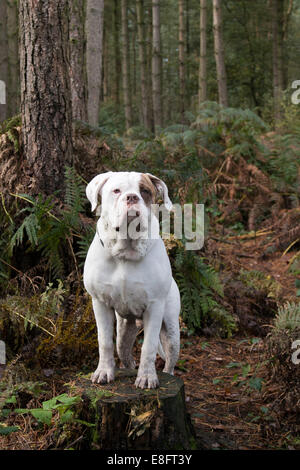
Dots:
{"x": 147, "y": 381}
{"x": 103, "y": 376}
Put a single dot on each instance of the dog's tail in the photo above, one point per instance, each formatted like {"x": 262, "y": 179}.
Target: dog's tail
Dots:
{"x": 160, "y": 351}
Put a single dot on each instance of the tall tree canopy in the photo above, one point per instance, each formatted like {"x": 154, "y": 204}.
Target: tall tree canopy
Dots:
{"x": 153, "y": 61}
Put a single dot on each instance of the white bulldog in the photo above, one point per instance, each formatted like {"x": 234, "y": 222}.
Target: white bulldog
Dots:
{"x": 129, "y": 276}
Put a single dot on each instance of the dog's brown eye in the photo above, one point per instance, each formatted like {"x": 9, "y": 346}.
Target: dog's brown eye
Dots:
{"x": 116, "y": 191}
{"x": 145, "y": 191}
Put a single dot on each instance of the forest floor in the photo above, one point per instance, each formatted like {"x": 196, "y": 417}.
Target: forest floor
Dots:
{"x": 229, "y": 393}
{"x": 228, "y": 389}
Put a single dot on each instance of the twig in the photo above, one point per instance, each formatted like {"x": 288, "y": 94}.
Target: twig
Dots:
{"x": 33, "y": 323}
{"x": 20, "y": 272}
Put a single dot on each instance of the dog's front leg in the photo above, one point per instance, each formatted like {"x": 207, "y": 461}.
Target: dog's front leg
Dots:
{"x": 152, "y": 318}
{"x": 104, "y": 315}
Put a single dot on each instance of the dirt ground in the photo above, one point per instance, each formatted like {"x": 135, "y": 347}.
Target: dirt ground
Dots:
{"x": 229, "y": 394}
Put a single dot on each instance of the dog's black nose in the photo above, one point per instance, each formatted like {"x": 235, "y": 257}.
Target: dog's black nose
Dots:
{"x": 132, "y": 198}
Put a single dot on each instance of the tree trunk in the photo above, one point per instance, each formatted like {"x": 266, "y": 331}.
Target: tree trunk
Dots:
{"x": 143, "y": 64}
{"x": 187, "y": 50}
{"x": 13, "y": 87}
{"x": 94, "y": 52}
{"x": 45, "y": 92}
{"x": 105, "y": 89}
{"x": 77, "y": 60}
{"x": 3, "y": 61}
{"x": 203, "y": 53}
{"x": 149, "y": 35}
{"x": 127, "y": 418}
{"x": 125, "y": 66}
{"x": 219, "y": 53}
{"x": 181, "y": 48}
{"x": 285, "y": 34}
{"x": 156, "y": 64}
{"x": 117, "y": 57}
{"x": 277, "y": 36}
{"x": 132, "y": 47}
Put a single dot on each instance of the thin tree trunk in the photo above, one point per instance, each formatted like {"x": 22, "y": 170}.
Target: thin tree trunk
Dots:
{"x": 219, "y": 53}
{"x": 45, "y": 92}
{"x": 143, "y": 63}
{"x": 149, "y": 35}
{"x": 94, "y": 37}
{"x": 169, "y": 98}
{"x": 203, "y": 53}
{"x": 181, "y": 51}
{"x": 156, "y": 64}
{"x": 285, "y": 48}
{"x": 187, "y": 48}
{"x": 13, "y": 58}
{"x": 125, "y": 65}
{"x": 277, "y": 37}
{"x": 117, "y": 57}
{"x": 132, "y": 45}
{"x": 77, "y": 69}
{"x": 105, "y": 90}
{"x": 3, "y": 60}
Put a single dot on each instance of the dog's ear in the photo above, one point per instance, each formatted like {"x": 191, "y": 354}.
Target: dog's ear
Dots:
{"x": 95, "y": 186}
{"x": 162, "y": 189}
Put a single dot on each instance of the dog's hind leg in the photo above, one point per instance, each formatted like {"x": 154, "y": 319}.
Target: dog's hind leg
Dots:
{"x": 126, "y": 335}
{"x": 170, "y": 332}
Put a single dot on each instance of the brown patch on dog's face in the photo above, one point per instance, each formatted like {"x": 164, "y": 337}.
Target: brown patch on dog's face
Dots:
{"x": 147, "y": 189}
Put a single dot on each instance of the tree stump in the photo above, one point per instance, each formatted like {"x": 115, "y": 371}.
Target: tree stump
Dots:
{"x": 125, "y": 418}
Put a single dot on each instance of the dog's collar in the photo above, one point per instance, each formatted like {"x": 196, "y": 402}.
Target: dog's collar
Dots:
{"x": 99, "y": 237}
{"x": 117, "y": 229}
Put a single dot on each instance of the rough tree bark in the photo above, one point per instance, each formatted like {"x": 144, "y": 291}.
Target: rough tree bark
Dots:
{"x": 125, "y": 65}
{"x": 94, "y": 51}
{"x": 181, "y": 50}
{"x": 3, "y": 55}
{"x": 156, "y": 64}
{"x": 77, "y": 70}
{"x": 203, "y": 53}
{"x": 219, "y": 52}
{"x": 45, "y": 92}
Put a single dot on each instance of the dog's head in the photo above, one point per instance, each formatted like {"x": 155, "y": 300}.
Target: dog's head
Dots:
{"x": 126, "y": 196}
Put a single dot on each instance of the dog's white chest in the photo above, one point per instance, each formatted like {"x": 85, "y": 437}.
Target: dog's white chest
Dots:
{"x": 123, "y": 292}
{"x": 127, "y": 298}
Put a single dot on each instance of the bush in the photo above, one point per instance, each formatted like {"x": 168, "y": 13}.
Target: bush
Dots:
{"x": 279, "y": 354}
{"x": 201, "y": 292}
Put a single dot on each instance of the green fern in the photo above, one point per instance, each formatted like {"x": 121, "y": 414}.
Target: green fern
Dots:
{"x": 84, "y": 243}
{"x": 288, "y": 317}
{"x": 53, "y": 234}
{"x": 201, "y": 288}
{"x": 75, "y": 191}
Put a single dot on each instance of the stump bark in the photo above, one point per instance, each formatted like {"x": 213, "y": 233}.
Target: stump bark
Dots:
{"x": 127, "y": 418}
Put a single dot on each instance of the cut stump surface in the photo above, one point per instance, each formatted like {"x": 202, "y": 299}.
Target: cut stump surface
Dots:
{"x": 125, "y": 417}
